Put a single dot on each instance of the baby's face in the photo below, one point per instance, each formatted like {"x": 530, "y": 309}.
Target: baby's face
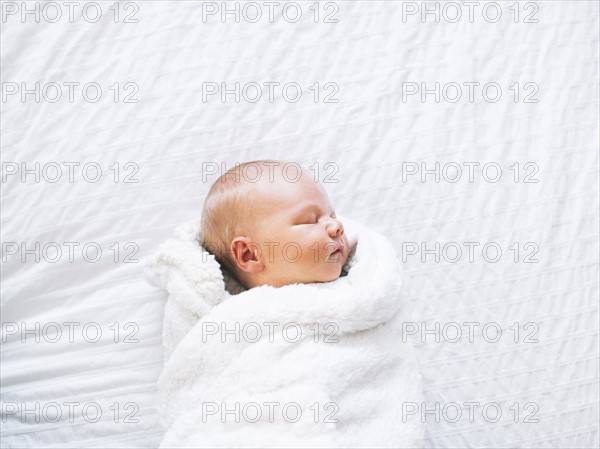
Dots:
{"x": 300, "y": 238}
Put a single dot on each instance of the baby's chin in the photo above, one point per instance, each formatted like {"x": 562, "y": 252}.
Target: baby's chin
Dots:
{"x": 331, "y": 273}
{"x": 325, "y": 272}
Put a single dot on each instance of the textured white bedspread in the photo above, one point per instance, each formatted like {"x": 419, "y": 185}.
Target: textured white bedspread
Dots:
{"x": 369, "y": 133}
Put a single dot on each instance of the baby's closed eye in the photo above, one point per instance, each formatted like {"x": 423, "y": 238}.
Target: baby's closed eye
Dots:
{"x": 308, "y": 219}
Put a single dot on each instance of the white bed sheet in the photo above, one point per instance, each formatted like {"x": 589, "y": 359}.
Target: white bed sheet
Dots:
{"x": 369, "y": 133}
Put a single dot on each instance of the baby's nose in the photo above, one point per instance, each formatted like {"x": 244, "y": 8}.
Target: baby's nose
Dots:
{"x": 336, "y": 228}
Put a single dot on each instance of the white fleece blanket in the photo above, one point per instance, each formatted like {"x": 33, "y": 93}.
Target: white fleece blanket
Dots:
{"x": 320, "y": 365}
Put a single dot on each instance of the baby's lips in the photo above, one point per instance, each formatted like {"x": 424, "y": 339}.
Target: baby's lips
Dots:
{"x": 339, "y": 247}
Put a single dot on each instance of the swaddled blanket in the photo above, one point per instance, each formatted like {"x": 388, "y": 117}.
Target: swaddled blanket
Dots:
{"x": 302, "y": 365}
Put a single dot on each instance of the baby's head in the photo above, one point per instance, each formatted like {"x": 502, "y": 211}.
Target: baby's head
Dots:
{"x": 271, "y": 226}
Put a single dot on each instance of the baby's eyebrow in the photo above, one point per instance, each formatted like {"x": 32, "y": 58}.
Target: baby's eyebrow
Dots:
{"x": 307, "y": 206}
{"x": 303, "y": 207}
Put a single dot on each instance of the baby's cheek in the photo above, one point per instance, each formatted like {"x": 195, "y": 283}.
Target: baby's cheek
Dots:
{"x": 309, "y": 254}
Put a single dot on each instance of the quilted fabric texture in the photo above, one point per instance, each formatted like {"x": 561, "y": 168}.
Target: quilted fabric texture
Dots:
{"x": 542, "y": 371}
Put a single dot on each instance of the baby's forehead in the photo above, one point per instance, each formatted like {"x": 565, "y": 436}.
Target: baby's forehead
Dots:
{"x": 279, "y": 185}
{"x": 285, "y": 195}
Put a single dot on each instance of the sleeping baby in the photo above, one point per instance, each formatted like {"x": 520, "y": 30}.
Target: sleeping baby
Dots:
{"x": 283, "y": 326}
{"x": 268, "y": 229}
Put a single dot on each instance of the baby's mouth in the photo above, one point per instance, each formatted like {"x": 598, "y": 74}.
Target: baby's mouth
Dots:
{"x": 338, "y": 252}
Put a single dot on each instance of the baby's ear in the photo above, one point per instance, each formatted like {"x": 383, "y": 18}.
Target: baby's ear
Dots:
{"x": 246, "y": 254}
